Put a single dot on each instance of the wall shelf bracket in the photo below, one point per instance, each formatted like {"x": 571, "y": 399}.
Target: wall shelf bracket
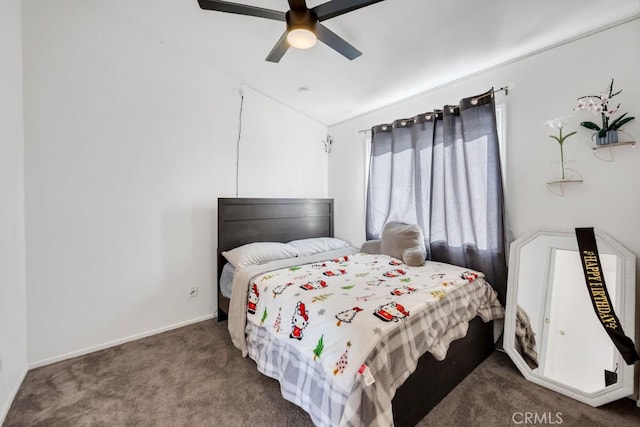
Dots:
{"x": 598, "y": 150}
{"x": 557, "y": 187}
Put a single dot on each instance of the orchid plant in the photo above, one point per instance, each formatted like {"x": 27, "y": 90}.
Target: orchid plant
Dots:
{"x": 599, "y": 105}
{"x": 558, "y": 123}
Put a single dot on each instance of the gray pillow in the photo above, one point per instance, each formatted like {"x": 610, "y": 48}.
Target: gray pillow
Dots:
{"x": 403, "y": 241}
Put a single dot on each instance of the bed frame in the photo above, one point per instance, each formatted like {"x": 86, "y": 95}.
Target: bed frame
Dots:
{"x": 246, "y": 220}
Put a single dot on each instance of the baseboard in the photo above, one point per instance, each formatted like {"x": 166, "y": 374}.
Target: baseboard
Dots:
{"x": 5, "y": 411}
{"x": 114, "y": 343}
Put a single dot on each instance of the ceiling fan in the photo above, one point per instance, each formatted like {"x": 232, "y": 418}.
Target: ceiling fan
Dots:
{"x": 303, "y": 24}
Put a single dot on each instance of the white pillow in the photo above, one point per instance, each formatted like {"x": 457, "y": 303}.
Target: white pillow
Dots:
{"x": 317, "y": 244}
{"x": 259, "y": 253}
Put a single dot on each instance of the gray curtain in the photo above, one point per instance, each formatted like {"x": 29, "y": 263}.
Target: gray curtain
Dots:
{"x": 441, "y": 170}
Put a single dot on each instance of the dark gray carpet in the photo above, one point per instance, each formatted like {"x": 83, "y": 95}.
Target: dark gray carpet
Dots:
{"x": 194, "y": 377}
{"x": 496, "y": 394}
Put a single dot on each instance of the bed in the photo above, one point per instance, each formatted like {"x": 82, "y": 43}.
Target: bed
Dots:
{"x": 419, "y": 386}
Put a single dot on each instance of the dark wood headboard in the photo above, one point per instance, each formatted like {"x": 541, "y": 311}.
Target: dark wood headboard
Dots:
{"x": 242, "y": 221}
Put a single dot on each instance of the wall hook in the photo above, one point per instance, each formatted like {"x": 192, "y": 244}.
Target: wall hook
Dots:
{"x": 327, "y": 144}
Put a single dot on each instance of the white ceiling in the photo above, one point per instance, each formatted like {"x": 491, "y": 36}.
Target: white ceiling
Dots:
{"x": 409, "y": 46}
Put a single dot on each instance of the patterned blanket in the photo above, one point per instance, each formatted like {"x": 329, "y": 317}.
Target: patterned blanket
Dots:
{"x": 335, "y": 311}
{"x": 339, "y": 321}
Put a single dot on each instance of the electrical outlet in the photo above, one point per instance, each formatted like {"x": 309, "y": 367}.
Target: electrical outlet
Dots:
{"x": 194, "y": 292}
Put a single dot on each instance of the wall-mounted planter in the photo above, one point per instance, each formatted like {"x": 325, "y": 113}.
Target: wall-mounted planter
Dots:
{"x": 610, "y": 137}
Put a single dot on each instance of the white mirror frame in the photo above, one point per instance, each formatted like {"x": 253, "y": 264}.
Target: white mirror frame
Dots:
{"x": 625, "y": 292}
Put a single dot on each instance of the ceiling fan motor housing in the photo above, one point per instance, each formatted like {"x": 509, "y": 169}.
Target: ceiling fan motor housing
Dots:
{"x": 301, "y": 19}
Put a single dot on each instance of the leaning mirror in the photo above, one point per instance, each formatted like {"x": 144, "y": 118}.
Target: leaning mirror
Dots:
{"x": 552, "y": 333}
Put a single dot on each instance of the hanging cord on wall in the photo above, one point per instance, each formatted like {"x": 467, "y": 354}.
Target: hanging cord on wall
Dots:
{"x": 238, "y": 142}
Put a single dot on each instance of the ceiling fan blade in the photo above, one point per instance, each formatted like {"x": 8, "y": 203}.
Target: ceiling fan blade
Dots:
{"x": 335, "y": 8}
{"x": 336, "y": 42}
{"x": 241, "y": 9}
{"x": 279, "y": 49}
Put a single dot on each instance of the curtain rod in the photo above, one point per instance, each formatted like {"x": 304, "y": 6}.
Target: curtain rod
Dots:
{"x": 504, "y": 89}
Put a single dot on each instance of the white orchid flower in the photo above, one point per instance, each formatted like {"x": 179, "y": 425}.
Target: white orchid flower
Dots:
{"x": 557, "y": 122}
{"x": 599, "y": 106}
{"x": 551, "y": 123}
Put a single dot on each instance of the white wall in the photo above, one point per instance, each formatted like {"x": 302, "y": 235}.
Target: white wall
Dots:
{"x": 128, "y": 144}
{"x": 546, "y": 86}
{"x": 13, "y": 332}
{"x": 281, "y": 152}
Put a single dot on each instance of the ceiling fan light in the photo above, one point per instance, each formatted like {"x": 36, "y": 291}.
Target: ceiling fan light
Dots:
{"x": 301, "y": 38}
